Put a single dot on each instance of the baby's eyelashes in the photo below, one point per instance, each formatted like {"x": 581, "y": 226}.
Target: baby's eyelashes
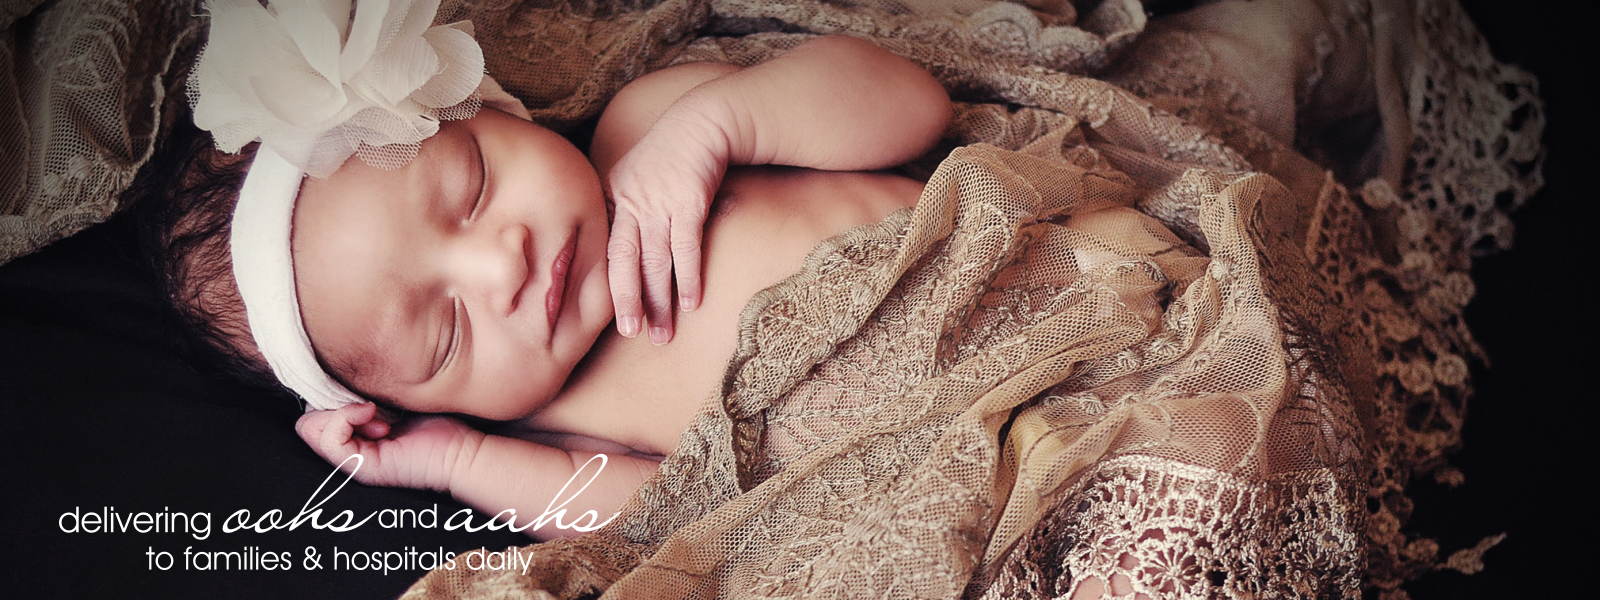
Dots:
{"x": 449, "y": 339}
{"x": 482, "y": 186}
{"x": 462, "y": 200}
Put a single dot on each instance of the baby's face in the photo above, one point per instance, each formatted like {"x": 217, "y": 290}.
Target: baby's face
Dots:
{"x": 472, "y": 280}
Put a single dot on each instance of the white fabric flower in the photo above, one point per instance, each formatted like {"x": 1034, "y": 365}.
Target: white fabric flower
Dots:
{"x": 315, "y": 79}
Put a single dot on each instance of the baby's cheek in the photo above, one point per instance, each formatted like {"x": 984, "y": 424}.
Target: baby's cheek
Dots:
{"x": 515, "y": 387}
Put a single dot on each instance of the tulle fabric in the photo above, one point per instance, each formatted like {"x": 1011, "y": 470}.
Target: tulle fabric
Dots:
{"x": 322, "y": 80}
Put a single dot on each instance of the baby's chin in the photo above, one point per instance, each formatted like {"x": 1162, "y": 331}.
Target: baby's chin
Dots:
{"x": 517, "y": 404}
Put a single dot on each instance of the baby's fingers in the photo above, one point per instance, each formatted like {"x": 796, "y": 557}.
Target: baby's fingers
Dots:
{"x": 379, "y": 426}
{"x": 374, "y": 430}
{"x": 655, "y": 266}
{"x": 686, "y": 260}
{"x": 622, "y": 266}
{"x": 331, "y": 433}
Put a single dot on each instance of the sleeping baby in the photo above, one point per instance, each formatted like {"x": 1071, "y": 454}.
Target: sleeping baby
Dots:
{"x": 480, "y": 277}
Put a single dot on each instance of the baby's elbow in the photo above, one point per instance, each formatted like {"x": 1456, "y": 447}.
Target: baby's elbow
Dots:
{"x": 918, "y": 104}
{"x": 645, "y": 469}
{"x": 908, "y": 80}
{"x": 922, "y": 102}
{"x": 923, "y": 114}
{"x": 934, "y": 111}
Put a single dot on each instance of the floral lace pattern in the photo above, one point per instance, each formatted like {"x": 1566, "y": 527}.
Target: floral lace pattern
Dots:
{"x": 1470, "y": 154}
{"x": 1372, "y": 358}
{"x": 1262, "y": 363}
{"x": 1174, "y": 530}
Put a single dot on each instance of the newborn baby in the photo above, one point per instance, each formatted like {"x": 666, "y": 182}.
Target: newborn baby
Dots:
{"x": 480, "y": 278}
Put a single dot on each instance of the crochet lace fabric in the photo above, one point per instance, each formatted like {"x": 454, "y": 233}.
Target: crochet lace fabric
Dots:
{"x": 1025, "y": 389}
{"x": 1178, "y": 317}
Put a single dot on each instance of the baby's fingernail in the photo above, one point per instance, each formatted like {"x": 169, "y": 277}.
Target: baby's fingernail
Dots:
{"x": 687, "y": 304}
{"x": 628, "y": 326}
{"x": 659, "y": 335}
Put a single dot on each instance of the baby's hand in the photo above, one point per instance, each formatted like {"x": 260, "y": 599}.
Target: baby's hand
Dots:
{"x": 422, "y": 453}
{"x": 663, "y": 188}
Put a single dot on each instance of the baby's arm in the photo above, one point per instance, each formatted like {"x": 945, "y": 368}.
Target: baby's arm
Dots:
{"x": 836, "y": 103}
{"x": 488, "y": 472}
{"x": 663, "y": 144}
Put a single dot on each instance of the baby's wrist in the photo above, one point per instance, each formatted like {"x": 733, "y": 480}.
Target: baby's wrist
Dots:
{"x": 707, "y": 120}
{"x": 468, "y": 446}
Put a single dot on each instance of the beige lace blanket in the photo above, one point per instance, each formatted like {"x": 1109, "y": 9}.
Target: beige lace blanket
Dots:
{"x": 1024, "y": 379}
{"x": 1159, "y": 345}
{"x": 1187, "y": 324}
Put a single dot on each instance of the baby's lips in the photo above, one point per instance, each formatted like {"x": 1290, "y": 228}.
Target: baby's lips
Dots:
{"x": 560, "y": 274}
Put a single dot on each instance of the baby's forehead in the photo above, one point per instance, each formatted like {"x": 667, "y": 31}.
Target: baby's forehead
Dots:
{"x": 360, "y": 271}
{"x": 364, "y": 343}
{"x": 357, "y": 372}
{"x": 357, "y": 367}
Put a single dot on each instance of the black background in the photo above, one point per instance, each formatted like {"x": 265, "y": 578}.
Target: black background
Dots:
{"x": 1531, "y": 430}
{"x": 97, "y": 410}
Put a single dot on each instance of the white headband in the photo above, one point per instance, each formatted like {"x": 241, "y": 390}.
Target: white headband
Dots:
{"x": 316, "y": 81}
{"x": 263, "y": 267}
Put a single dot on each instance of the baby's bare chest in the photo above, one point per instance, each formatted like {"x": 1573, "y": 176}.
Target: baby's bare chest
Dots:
{"x": 765, "y": 222}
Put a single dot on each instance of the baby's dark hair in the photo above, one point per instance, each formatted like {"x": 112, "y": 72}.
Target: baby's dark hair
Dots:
{"x": 182, "y": 202}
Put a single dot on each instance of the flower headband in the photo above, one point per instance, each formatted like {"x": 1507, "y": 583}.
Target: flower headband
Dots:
{"x": 316, "y": 81}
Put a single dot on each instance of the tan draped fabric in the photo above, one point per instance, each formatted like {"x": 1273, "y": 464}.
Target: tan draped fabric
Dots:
{"x": 1188, "y": 313}
{"x": 1176, "y": 324}
{"x": 85, "y": 87}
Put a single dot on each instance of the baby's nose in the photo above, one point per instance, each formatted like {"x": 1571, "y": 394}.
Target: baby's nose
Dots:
{"x": 494, "y": 266}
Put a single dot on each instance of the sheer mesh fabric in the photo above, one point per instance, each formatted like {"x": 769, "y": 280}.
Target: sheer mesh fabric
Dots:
{"x": 1025, "y": 388}
{"x": 373, "y": 109}
{"x": 1180, "y": 318}
{"x": 84, "y": 88}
